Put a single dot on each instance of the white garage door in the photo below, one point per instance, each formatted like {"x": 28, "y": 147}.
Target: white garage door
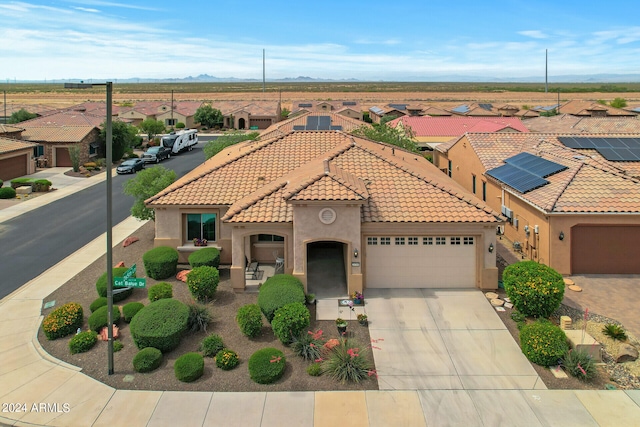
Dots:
{"x": 420, "y": 262}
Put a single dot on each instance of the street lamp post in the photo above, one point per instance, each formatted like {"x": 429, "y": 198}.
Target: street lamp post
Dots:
{"x": 109, "y": 149}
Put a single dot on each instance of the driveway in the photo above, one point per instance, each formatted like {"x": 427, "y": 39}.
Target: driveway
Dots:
{"x": 429, "y": 339}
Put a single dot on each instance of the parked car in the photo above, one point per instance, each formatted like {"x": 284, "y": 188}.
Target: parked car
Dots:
{"x": 156, "y": 154}
{"x": 130, "y": 166}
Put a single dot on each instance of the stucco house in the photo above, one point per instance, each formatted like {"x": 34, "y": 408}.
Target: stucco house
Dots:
{"x": 572, "y": 200}
{"x": 392, "y": 217}
{"x": 16, "y": 158}
{"x": 350, "y": 109}
{"x": 566, "y": 123}
{"x": 253, "y": 115}
{"x": 306, "y": 121}
{"x": 182, "y": 111}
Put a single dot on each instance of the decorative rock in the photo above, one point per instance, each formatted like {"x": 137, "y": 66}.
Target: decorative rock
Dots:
{"x": 558, "y": 372}
{"x": 626, "y": 353}
{"x": 182, "y": 276}
{"x": 491, "y": 295}
{"x": 497, "y": 302}
{"x": 575, "y": 288}
{"x": 129, "y": 240}
{"x": 569, "y": 282}
{"x": 565, "y": 322}
{"x": 120, "y": 264}
{"x": 508, "y": 305}
{"x": 104, "y": 333}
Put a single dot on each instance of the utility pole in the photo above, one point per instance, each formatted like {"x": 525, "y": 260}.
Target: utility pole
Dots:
{"x": 5, "y": 106}
{"x": 263, "y": 70}
{"x": 171, "y": 107}
{"x": 546, "y": 71}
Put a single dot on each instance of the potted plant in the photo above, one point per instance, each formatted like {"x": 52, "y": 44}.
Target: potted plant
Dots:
{"x": 342, "y": 326}
{"x": 362, "y": 319}
{"x": 357, "y": 297}
{"x": 199, "y": 242}
{"x": 311, "y": 298}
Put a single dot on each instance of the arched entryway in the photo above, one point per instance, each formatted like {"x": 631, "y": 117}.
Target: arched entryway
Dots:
{"x": 242, "y": 123}
{"x": 326, "y": 272}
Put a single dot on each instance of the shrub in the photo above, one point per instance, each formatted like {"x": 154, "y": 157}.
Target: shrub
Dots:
{"x": 348, "y": 361}
{"x": 147, "y": 359}
{"x": 211, "y": 345}
{"x": 131, "y": 309}
{"x": 227, "y": 359}
{"x": 90, "y": 165}
{"x": 315, "y": 369}
{"x": 203, "y": 282}
{"x": 98, "y": 318}
{"x": 308, "y": 346}
{"x": 160, "y": 324}
{"x": 205, "y": 256}
{"x": 290, "y": 320}
{"x": 535, "y": 289}
{"x": 19, "y": 182}
{"x": 82, "y": 342}
{"x": 1, "y": 182}
{"x": 579, "y": 364}
{"x": 189, "y": 367}
{"x": 199, "y": 318}
{"x": 543, "y": 343}
{"x": 160, "y": 291}
{"x": 101, "y": 284}
{"x": 249, "y": 319}
{"x": 161, "y": 262}
{"x": 97, "y": 303}
{"x": 267, "y": 365}
{"x": 7, "y": 193}
{"x": 278, "y": 291}
{"x": 63, "y": 321}
{"x": 41, "y": 185}
{"x": 117, "y": 346}
{"x": 614, "y": 331}
{"x": 180, "y": 125}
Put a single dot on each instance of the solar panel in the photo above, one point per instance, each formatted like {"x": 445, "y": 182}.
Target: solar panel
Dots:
{"x": 535, "y": 165}
{"x": 305, "y": 105}
{"x": 312, "y": 123}
{"x": 299, "y": 127}
{"x": 487, "y": 107}
{"x": 336, "y": 127}
{"x": 349, "y": 103}
{"x": 398, "y": 106}
{"x": 610, "y": 154}
{"x": 612, "y": 149}
{"x": 376, "y": 110}
{"x": 517, "y": 178}
{"x": 461, "y": 109}
{"x": 324, "y": 123}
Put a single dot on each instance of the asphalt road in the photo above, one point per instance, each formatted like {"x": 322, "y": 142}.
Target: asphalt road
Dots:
{"x": 35, "y": 241}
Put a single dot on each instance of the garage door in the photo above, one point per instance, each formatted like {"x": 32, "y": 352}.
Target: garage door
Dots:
{"x": 605, "y": 249}
{"x": 13, "y": 167}
{"x": 420, "y": 262}
{"x": 62, "y": 157}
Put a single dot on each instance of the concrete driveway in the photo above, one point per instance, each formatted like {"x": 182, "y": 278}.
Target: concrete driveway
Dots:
{"x": 443, "y": 339}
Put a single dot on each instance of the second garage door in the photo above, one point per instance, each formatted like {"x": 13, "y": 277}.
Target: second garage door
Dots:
{"x": 420, "y": 262}
{"x": 13, "y": 167}
{"x": 605, "y": 249}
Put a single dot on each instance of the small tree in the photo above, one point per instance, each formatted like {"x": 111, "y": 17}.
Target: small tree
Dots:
{"x": 147, "y": 183}
{"x": 618, "y": 103}
{"x": 208, "y": 116}
{"x": 215, "y": 146}
{"x": 398, "y": 136}
{"x": 152, "y": 128}
{"x": 74, "y": 154}
{"x": 21, "y": 115}
{"x": 284, "y": 113}
{"x": 123, "y": 136}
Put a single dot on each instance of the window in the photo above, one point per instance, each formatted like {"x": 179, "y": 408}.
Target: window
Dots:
{"x": 201, "y": 226}
{"x": 372, "y": 241}
{"x": 412, "y": 240}
{"x": 455, "y": 241}
{"x": 170, "y": 122}
{"x": 441, "y": 240}
{"x": 467, "y": 240}
{"x": 399, "y": 240}
{"x": 484, "y": 191}
{"x": 270, "y": 238}
{"x": 449, "y": 169}
{"x": 473, "y": 183}
{"x": 427, "y": 240}
{"x": 385, "y": 240}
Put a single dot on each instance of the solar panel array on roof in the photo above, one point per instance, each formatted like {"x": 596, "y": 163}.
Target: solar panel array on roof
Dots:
{"x": 305, "y": 105}
{"x": 487, "y": 107}
{"x": 612, "y": 149}
{"x": 534, "y": 164}
{"x": 349, "y": 103}
{"x": 525, "y": 172}
{"x": 461, "y": 109}
{"x": 337, "y": 127}
{"x": 376, "y": 110}
{"x": 398, "y": 106}
{"x": 299, "y": 127}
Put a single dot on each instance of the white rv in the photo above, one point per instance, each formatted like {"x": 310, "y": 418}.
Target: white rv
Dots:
{"x": 181, "y": 140}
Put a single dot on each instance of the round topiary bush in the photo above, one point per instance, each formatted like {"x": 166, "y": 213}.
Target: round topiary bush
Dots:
{"x": 315, "y": 369}
{"x": 543, "y": 343}
{"x": 249, "y": 319}
{"x": 84, "y": 341}
{"x": 161, "y": 263}
{"x": 101, "y": 285}
{"x": 63, "y": 321}
{"x": 131, "y": 309}
{"x": 227, "y": 359}
{"x": 211, "y": 345}
{"x": 203, "y": 282}
{"x": 189, "y": 367}
{"x": 289, "y": 321}
{"x": 534, "y": 289}
{"x": 267, "y": 365}
{"x": 205, "y": 256}
{"x": 98, "y": 318}
{"x": 147, "y": 359}
{"x": 97, "y": 303}
{"x": 160, "y": 324}
{"x": 7, "y": 193}
{"x": 160, "y": 291}
{"x": 278, "y": 291}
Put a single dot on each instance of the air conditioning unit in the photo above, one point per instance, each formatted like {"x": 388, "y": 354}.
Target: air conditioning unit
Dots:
{"x": 507, "y": 212}
{"x": 536, "y": 229}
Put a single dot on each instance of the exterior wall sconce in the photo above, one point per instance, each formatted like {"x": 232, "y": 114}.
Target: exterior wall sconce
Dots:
{"x": 490, "y": 247}
{"x": 355, "y": 253}
{"x": 561, "y": 235}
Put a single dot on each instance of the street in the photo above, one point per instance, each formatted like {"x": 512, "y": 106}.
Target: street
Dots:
{"x": 33, "y": 242}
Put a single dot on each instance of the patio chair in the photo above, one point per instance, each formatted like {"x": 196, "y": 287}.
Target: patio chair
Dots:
{"x": 279, "y": 262}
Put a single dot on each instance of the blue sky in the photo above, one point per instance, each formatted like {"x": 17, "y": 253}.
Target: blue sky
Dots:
{"x": 366, "y": 40}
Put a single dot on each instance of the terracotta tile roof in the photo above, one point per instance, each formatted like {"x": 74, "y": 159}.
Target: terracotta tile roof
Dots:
{"x": 284, "y": 127}
{"x": 566, "y": 123}
{"x": 584, "y": 108}
{"x": 56, "y": 134}
{"x": 8, "y": 145}
{"x": 329, "y": 183}
{"x": 336, "y": 105}
{"x": 474, "y": 109}
{"x": 64, "y": 118}
{"x": 39, "y": 109}
{"x": 95, "y": 108}
{"x": 430, "y": 110}
{"x": 255, "y": 108}
{"x": 456, "y": 126}
{"x": 9, "y": 128}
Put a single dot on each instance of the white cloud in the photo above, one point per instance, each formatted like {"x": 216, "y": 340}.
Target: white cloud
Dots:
{"x": 111, "y": 4}
{"x": 536, "y": 34}
{"x": 86, "y": 9}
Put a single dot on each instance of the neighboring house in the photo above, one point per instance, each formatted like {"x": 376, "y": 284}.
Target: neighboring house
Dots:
{"x": 474, "y": 110}
{"x": 96, "y": 109}
{"x": 376, "y": 114}
{"x": 335, "y": 121}
{"x": 566, "y": 123}
{"x": 430, "y": 110}
{"x": 429, "y": 132}
{"x": 393, "y": 218}
{"x": 10, "y": 108}
{"x": 574, "y": 209}
{"x": 350, "y": 109}
{"x": 16, "y": 158}
{"x": 592, "y": 109}
{"x": 182, "y": 111}
{"x": 11, "y": 131}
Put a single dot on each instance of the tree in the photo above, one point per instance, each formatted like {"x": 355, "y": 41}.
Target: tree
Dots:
{"x": 21, "y": 115}
{"x": 618, "y": 103}
{"x": 215, "y": 146}
{"x": 208, "y": 116}
{"x": 74, "y": 154}
{"x": 549, "y": 113}
{"x": 123, "y": 136}
{"x": 399, "y": 136}
{"x": 284, "y": 113}
{"x": 147, "y": 183}
{"x": 152, "y": 128}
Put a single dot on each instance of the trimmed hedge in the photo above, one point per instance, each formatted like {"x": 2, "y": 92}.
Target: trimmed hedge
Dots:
{"x": 249, "y": 319}
{"x": 543, "y": 342}
{"x": 290, "y": 321}
{"x": 534, "y": 289}
{"x": 41, "y": 185}
{"x": 211, "y": 345}
{"x": 160, "y": 324}
{"x": 161, "y": 263}
{"x": 203, "y": 282}
{"x": 267, "y": 365}
{"x": 278, "y": 291}
{"x": 131, "y": 309}
{"x": 63, "y": 321}
{"x": 97, "y": 303}
{"x": 98, "y": 318}
{"x": 7, "y": 193}
{"x": 160, "y": 290}
{"x": 147, "y": 360}
{"x": 101, "y": 284}
{"x": 84, "y": 341}
{"x": 189, "y": 367}
{"x": 205, "y": 256}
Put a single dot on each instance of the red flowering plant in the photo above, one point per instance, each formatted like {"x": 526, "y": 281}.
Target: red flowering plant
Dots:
{"x": 346, "y": 360}
{"x": 309, "y": 345}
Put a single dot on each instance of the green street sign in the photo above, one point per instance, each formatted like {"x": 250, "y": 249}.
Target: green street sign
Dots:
{"x": 133, "y": 282}
{"x": 130, "y": 272}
